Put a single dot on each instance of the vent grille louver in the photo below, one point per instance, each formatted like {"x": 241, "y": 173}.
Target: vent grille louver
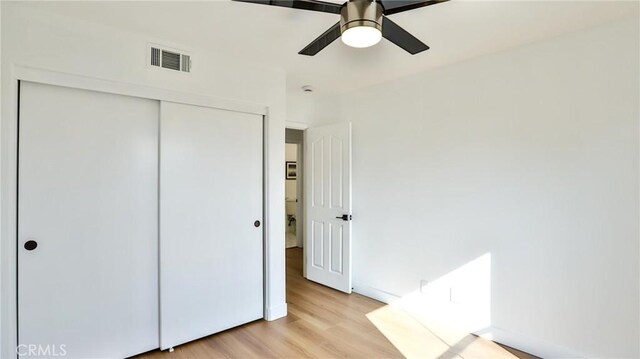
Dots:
{"x": 170, "y": 60}
{"x": 155, "y": 56}
{"x": 185, "y": 63}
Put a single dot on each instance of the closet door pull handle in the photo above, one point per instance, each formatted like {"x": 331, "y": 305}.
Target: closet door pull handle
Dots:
{"x": 30, "y": 245}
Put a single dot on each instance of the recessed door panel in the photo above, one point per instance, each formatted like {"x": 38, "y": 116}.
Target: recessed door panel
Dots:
{"x": 317, "y": 247}
{"x": 336, "y": 180}
{"x": 317, "y": 173}
{"x": 335, "y": 249}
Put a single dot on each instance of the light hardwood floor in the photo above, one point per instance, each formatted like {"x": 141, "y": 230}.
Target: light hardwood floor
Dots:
{"x": 324, "y": 323}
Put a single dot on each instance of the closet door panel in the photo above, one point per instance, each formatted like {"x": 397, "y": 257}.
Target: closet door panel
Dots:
{"x": 88, "y": 174}
{"x": 211, "y": 253}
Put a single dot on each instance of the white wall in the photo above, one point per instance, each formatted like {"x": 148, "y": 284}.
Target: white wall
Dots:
{"x": 33, "y": 38}
{"x": 307, "y": 108}
{"x": 529, "y": 155}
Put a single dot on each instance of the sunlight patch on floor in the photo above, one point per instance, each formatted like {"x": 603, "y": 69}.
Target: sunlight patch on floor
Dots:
{"x": 436, "y": 321}
{"x": 410, "y": 337}
{"x": 415, "y": 340}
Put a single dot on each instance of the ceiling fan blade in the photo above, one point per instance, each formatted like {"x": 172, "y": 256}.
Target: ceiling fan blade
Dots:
{"x": 396, "y": 6}
{"x": 322, "y": 41}
{"x": 399, "y": 36}
{"x": 313, "y": 5}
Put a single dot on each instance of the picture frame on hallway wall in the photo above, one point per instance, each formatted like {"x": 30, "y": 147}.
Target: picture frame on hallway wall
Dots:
{"x": 291, "y": 170}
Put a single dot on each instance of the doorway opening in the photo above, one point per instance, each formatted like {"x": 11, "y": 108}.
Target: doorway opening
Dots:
{"x": 291, "y": 195}
{"x": 294, "y": 191}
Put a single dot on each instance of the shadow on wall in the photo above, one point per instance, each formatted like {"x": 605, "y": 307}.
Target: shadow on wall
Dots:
{"x": 435, "y": 321}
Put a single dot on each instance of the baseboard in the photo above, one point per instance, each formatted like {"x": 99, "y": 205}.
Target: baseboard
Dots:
{"x": 518, "y": 341}
{"x": 276, "y": 312}
{"x": 374, "y": 293}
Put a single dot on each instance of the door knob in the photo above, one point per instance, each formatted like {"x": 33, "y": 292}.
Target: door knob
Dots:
{"x": 256, "y": 223}
{"x": 30, "y": 245}
{"x": 345, "y": 217}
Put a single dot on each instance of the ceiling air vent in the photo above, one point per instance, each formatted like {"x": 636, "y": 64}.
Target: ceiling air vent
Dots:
{"x": 170, "y": 59}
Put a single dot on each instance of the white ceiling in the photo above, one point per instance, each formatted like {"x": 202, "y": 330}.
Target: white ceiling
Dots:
{"x": 455, "y": 31}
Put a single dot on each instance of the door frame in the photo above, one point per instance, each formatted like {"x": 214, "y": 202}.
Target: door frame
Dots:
{"x": 273, "y": 279}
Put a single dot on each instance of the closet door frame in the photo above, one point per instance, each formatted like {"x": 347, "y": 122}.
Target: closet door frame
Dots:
{"x": 273, "y": 285}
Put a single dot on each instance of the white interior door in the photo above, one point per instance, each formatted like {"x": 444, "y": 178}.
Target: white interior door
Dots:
{"x": 211, "y": 253}
{"x": 88, "y": 174}
{"x": 328, "y": 205}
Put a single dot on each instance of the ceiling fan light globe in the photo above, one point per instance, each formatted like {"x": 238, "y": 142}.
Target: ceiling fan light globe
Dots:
{"x": 361, "y": 36}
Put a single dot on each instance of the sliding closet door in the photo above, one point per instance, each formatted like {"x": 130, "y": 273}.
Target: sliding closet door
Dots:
{"x": 87, "y": 223}
{"x": 211, "y": 231}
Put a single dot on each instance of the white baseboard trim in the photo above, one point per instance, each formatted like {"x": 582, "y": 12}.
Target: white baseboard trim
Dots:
{"x": 276, "y": 312}
{"x": 374, "y": 293}
{"x": 515, "y": 340}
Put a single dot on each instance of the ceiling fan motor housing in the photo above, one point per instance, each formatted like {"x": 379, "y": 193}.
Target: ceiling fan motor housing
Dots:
{"x": 361, "y": 13}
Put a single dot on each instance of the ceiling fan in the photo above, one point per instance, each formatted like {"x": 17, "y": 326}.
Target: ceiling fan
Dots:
{"x": 363, "y": 23}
